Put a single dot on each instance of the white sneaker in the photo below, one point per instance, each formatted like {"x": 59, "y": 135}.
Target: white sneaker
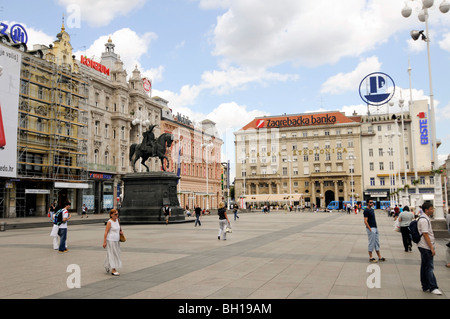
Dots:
{"x": 436, "y": 292}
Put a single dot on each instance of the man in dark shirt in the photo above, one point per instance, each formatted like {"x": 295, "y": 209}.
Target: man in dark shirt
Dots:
{"x": 198, "y": 213}
{"x": 372, "y": 232}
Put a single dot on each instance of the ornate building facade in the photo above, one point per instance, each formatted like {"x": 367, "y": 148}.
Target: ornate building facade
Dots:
{"x": 300, "y": 160}
{"x": 196, "y": 158}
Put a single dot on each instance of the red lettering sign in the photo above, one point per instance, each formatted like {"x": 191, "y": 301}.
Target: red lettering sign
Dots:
{"x": 94, "y": 65}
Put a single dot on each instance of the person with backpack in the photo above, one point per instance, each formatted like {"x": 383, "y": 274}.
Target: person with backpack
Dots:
{"x": 427, "y": 250}
{"x": 61, "y": 218}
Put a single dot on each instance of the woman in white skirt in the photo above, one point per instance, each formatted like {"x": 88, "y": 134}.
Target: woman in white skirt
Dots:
{"x": 111, "y": 243}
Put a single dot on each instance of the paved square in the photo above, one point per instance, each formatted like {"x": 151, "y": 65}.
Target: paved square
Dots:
{"x": 280, "y": 255}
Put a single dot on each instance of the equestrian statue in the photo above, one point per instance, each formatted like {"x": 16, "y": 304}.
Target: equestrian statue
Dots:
{"x": 151, "y": 147}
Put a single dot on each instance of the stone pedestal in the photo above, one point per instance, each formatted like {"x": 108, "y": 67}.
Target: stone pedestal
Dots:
{"x": 144, "y": 196}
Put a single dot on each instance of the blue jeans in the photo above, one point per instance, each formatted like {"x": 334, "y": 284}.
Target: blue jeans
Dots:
{"x": 62, "y": 233}
{"x": 374, "y": 240}
{"x": 427, "y": 277}
{"x": 197, "y": 220}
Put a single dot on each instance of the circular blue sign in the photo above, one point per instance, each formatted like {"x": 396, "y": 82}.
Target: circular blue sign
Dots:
{"x": 18, "y": 34}
{"x": 379, "y": 88}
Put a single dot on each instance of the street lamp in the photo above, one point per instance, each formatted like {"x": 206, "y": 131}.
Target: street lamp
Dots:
{"x": 139, "y": 120}
{"x": 206, "y": 146}
{"x": 423, "y": 17}
{"x": 352, "y": 158}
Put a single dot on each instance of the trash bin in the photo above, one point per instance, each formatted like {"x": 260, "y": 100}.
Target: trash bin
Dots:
{"x": 2, "y": 226}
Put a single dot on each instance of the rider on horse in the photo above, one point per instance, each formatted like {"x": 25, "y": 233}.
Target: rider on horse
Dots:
{"x": 149, "y": 141}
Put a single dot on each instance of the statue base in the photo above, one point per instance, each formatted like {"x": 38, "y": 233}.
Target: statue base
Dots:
{"x": 145, "y": 194}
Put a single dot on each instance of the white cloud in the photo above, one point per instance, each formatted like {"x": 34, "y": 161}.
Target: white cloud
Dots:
{"x": 214, "y": 4}
{"x": 445, "y": 42}
{"x": 269, "y": 33}
{"x": 101, "y": 12}
{"x": 342, "y": 82}
{"x": 130, "y": 46}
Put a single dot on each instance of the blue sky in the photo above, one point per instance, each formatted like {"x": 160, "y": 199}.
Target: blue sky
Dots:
{"x": 232, "y": 60}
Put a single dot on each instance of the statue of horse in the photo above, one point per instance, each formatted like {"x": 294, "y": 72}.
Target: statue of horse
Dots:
{"x": 163, "y": 142}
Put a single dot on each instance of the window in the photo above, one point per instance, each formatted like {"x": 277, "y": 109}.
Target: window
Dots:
{"x": 371, "y": 166}
{"x": 391, "y": 166}
{"x": 122, "y": 132}
{"x": 339, "y": 156}
{"x": 380, "y": 152}
{"x": 316, "y": 157}
{"x": 370, "y": 152}
{"x": 372, "y": 181}
{"x": 381, "y": 166}
{"x": 97, "y": 124}
{"x": 382, "y": 182}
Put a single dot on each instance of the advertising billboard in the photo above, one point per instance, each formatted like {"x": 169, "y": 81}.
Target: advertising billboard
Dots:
{"x": 10, "y": 62}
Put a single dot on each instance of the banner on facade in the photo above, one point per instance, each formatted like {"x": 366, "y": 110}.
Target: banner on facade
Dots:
{"x": 421, "y": 136}
{"x": 10, "y": 62}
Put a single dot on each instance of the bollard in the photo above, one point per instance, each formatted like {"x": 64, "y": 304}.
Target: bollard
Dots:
{"x": 2, "y": 226}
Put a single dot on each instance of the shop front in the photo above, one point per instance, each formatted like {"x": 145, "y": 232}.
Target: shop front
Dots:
{"x": 99, "y": 196}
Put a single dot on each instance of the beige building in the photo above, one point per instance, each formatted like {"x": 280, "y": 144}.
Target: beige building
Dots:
{"x": 397, "y": 156}
{"x": 120, "y": 110}
{"x": 301, "y": 160}
{"x": 51, "y": 131}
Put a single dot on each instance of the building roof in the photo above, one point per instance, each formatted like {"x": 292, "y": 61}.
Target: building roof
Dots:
{"x": 301, "y": 120}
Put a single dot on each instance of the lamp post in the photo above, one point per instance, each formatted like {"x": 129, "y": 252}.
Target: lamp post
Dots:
{"x": 244, "y": 161}
{"x": 352, "y": 158}
{"x": 139, "y": 120}
{"x": 423, "y": 17}
{"x": 414, "y": 154}
{"x": 206, "y": 146}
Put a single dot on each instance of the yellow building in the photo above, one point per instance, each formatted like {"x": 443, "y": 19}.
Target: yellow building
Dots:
{"x": 51, "y": 138}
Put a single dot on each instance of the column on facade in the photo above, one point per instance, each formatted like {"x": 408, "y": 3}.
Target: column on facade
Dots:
{"x": 322, "y": 194}
{"x": 336, "y": 195}
{"x": 313, "y": 192}
{"x": 345, "y": 190}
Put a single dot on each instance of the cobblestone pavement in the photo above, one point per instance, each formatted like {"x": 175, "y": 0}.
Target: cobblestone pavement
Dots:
{"x": 280, "y": 255}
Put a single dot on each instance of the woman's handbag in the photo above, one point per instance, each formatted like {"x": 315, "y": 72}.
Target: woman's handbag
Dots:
{"x": 122, "y": 238}
{"x": 228, "y": 229}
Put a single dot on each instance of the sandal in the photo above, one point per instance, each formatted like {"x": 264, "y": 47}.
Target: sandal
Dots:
{"x": 372, "y": 260}
{"x": 381, "y": 259}
{"x": 115, "y": 273}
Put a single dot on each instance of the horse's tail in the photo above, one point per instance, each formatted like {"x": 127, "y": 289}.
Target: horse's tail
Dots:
{"x": 132, "y": 150}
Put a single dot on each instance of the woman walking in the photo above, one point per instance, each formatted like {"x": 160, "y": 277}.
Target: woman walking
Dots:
{"x": 223, "y": 221}
{"x": 111, "y": 243}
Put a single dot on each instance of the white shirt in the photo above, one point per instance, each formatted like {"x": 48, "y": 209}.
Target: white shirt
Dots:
{"x": 65, "y": 215}
{"x": 424, "y": 226}
{"x": 114, "y": 231}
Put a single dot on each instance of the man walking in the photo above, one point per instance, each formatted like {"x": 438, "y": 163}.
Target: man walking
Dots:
{"x": 427, "y": 250}
{"x": 372, "y": 232}
{"x": 198, "y": 213}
